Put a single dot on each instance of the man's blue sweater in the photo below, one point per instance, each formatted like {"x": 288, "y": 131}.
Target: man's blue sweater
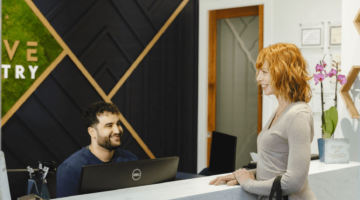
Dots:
{"x": 69, "y": 172}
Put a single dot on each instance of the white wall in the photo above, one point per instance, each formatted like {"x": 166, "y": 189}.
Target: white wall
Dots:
{"x": 287, "y": 15}
{"x": 350, "y": 52}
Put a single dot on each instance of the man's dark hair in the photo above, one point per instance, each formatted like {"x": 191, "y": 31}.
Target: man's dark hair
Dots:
{"x": 89, "y": 117}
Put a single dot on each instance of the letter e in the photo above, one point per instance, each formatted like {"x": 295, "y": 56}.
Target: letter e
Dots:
{"x": 31, "y": 51}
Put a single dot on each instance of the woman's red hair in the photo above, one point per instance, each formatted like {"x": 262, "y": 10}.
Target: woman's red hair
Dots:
{"x": 288, "y": 70}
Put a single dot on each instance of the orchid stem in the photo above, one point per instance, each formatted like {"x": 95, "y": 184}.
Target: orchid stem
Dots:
{"x": 322, "y": 111}
{"x": 336, "y": 86}
{"x": 337, "y": 66}
{"x": 322, "y": 105}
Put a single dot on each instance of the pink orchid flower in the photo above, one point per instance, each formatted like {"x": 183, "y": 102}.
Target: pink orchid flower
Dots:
{"x": 319, "y": 68}
{"x": 324, "y": 64}
{"x": 318, "y": 77}
{"x": 342, "y": 79}
{"x": 332, "y": 73}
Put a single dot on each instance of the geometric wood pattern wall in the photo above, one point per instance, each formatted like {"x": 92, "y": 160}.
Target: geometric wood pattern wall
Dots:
{"x": 344, "y": 92}
{"x": 351, "y": 77}
{"x": 357, "y": 21}
{"x": 158, "y": 100}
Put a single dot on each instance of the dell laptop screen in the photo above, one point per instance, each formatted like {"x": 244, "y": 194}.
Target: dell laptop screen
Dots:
{"x": 98, "y": 178}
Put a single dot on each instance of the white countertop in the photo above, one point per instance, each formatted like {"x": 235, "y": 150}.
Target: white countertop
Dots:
{"x": 319, "y": 167}
{"x": 335, "y": 181}
{"x": 170, "y": 190}
{"x": 199, "y": 188}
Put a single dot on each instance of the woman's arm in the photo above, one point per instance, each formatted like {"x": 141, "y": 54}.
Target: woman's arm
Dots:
{"x": 230, "y": 178}
{"x": 299, "y": 140}
{"x": 252, "y": 171}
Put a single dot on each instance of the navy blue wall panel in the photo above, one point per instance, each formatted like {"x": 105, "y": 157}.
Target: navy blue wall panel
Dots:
{"x": 159, "y": 99}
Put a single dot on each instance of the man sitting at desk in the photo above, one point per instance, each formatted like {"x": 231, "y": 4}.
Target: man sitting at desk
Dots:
{"x": 103, "y": 125}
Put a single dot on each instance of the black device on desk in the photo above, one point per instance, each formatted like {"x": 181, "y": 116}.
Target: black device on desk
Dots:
{"x": 223, "y": 153}
{"x": 99, "y": 178}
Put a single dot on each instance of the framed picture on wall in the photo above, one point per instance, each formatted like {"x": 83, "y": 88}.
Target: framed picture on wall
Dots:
{"x": 311, "y": 36}
{"x": 334, "y": 35}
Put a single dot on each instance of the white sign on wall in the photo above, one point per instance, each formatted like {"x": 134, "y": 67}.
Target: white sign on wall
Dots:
{"x": 311, "y": 37}
{"x": 337, "y": 151}
{"x": 335, "y": 35}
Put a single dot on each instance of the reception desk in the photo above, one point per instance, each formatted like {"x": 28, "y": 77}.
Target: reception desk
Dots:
{"x": 328, "y": 181}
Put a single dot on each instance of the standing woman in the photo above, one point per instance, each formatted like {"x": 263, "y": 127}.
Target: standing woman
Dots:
{"x": 284, "y": 143}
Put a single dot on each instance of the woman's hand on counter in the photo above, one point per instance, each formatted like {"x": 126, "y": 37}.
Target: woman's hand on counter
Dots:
{"x": 229, "y": 179}
{"x": 242, "y": 175}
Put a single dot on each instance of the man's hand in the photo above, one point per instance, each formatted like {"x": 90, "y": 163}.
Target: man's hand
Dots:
{"x": 242, "y": 175}
{"x": 230, "y": 179}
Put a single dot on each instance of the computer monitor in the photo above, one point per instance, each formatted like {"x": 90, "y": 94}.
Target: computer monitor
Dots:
{"x": 112, "y": 176}
{"x": 223, "y": 153}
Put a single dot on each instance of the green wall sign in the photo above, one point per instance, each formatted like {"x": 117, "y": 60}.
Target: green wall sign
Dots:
{"x": 28, "y": 49}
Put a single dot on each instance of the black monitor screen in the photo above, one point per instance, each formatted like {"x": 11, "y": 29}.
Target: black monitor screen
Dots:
{"x": 98, "y": 178}
{"x": 223, "y": 153}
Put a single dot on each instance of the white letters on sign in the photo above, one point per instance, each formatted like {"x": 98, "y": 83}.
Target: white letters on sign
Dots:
{"x": 19, "y": 71}
{"x": 6, "y": 67}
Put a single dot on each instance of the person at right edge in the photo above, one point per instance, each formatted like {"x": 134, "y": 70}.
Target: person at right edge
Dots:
{"x": 284, "y": 143}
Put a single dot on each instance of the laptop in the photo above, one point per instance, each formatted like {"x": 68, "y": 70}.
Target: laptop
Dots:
{"x": 112, "y": 176}
{"x": 223, "y": 153}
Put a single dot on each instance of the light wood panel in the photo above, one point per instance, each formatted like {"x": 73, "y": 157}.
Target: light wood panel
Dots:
{"x": 357, "y": 21}
{"x": 212, "y": 71}
{"x": 237, "y": 12}
{"x": 344, "y": 92}
{"x": 211, "y": 79}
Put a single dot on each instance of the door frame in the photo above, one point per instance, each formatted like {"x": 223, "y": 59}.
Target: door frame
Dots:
{"x": 214, "y": 15}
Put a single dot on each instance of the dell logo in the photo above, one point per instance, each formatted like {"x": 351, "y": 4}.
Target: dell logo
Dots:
{"x": 136, "y": 175}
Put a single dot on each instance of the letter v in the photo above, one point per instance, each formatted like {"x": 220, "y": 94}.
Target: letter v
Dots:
{"x": 11, "y": 51}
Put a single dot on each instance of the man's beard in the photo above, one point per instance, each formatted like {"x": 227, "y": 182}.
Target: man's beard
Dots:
{"x": 105, "y": 142}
